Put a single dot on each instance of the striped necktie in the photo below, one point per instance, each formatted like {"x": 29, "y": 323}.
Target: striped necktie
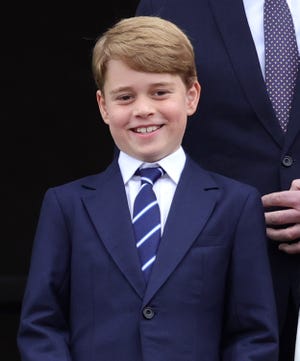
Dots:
{"x": 281, "y": 58}
{"x": 146, "y": 219}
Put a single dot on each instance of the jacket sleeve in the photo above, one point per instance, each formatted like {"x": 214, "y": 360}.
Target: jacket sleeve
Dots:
{"x": 43, "y": 331}
{"x": 250, "y": 327}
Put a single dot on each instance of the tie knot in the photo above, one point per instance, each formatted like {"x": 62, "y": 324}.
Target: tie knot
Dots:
{"x": 150, "y": 175}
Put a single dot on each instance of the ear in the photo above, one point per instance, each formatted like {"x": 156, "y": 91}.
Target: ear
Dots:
{"x": 193, "y": 96}
{"x": 102, "y": 106}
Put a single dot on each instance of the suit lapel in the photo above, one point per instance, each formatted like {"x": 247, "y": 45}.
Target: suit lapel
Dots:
{"x": 109, "y": 212}
{"x": 238, "y": 40}
{"x": 294, "y": 122}
{"x": 193, "y": 203}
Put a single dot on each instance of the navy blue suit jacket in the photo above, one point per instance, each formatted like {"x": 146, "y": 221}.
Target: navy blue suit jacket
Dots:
{"x": 235, "y": 131}
{"x": 209, "y": 296}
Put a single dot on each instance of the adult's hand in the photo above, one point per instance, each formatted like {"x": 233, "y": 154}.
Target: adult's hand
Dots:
{"x": 284, "y": 225}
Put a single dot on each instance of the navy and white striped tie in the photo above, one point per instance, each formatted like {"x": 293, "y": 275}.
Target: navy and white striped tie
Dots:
{"x": 146, "y": 218}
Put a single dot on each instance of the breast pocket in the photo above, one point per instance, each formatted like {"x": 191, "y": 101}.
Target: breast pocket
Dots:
{"x": 208, "y": 262}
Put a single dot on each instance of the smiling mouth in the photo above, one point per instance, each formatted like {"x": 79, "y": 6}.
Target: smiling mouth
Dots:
{"x": 145, "y": 130}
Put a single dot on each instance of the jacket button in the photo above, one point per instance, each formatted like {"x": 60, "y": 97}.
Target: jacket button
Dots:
{"x": 148, "y": 313}
{"x": 287, "y": 161}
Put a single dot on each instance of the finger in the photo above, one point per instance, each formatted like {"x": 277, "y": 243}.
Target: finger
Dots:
{"x": 295, "y": 185}
{"x": 293, "y": 248}
{"x": 288, "y": 234}
{"x": 287, "y": 199}
{"x": 282, "y": 217}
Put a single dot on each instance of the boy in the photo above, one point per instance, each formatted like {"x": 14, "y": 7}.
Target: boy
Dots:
{"x": 205, "y": 291}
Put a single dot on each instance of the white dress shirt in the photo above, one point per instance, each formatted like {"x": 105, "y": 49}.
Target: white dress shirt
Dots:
{"x": 164, "y": 187}
{"x": 254, "y": 13}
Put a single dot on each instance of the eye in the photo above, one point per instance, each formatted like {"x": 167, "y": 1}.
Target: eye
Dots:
{"x": 124, "y": 98}
{"x": 161, "y": 93}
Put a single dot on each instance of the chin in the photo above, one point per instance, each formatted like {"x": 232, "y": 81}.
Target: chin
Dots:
{"x": 149, "y": 154}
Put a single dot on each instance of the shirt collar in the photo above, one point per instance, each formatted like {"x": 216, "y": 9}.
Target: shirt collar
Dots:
{"x": 172, "y": 164}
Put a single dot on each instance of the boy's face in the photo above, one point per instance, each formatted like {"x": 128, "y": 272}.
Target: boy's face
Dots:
{"x": 146, "y": 112}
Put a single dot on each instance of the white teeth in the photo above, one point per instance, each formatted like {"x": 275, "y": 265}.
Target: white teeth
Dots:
{"x": 147, "y": 129}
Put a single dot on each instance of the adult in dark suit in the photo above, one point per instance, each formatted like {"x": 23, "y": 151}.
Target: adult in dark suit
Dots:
{"x": 235, "y": 131}
{"x": 86, "y": 297}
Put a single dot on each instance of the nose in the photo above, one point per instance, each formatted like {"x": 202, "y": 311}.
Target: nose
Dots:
{"x": 143, "y": 107}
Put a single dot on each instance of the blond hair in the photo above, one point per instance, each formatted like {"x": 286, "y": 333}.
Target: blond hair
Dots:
{"x": 147, "y": 44}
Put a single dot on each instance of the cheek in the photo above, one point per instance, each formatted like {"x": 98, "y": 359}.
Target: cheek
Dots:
{"x": 179, "y": 106}
{"x": 177, "y": 113}
{"x": 117, "y": 118}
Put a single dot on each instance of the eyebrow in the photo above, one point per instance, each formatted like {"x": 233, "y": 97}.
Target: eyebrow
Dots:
{"x": 129, "y": 88}
{"x": 119, "y": 90}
